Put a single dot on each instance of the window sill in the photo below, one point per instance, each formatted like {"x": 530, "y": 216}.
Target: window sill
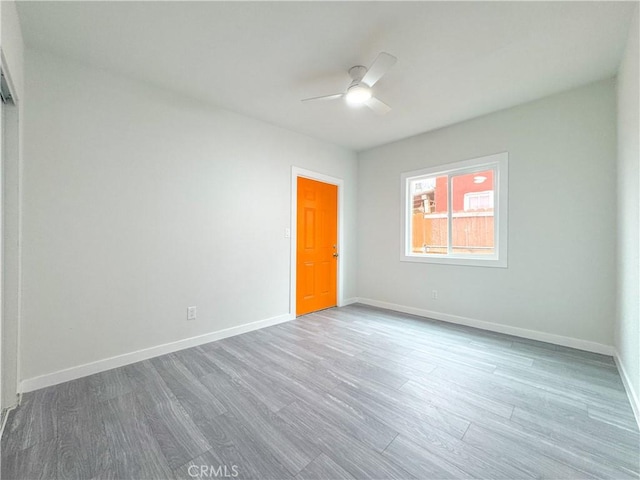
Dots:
{"x": 456, "y": 260}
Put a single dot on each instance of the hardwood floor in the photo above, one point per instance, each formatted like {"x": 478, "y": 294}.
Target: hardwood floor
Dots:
{"x": 354, "y": 392}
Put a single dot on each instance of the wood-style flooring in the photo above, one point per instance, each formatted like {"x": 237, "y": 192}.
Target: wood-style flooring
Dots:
{"x": 352, "y": 392}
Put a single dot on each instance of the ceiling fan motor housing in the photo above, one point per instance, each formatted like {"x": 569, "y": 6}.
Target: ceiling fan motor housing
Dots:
{"x": 356, "y": 73}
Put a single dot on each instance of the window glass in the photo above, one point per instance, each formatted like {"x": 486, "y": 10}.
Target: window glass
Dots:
{"x": 429, "y": 220}
{"x": 472, "y": 219}
{"x": 457, "y": 213}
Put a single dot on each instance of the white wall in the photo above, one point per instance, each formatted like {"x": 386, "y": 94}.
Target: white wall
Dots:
{"x": 561, "y": 274}
{"x": 627, "y": 338}
{"x": 12, "y": 51}
{"x": 139, "y": 203}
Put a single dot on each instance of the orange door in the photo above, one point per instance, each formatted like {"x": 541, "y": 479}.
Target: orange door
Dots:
{"x": 317, "y": 246}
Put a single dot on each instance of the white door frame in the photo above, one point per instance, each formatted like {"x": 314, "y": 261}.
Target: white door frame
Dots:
{"x": 9, "y": 116}
{"x": 321, "y": 177}
{"x": 2, "y": 159}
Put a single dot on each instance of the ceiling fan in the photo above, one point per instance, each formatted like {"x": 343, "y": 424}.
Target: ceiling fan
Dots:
{"x": 359, "y": 92}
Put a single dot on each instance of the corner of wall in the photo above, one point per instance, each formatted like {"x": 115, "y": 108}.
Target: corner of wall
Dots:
{"x": 634, "y": 398}
{"x": 627, "y": 321}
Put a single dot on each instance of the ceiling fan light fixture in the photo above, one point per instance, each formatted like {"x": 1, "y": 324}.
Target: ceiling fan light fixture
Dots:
{"x": 362, "y": 80}
{"x": 357, "y": 95}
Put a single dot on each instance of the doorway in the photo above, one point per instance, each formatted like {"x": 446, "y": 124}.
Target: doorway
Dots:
{"x": 316, "y": 264}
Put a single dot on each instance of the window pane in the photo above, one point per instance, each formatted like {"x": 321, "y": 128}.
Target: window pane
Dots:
{"x": 456, "y": 213}
{"x": 473, "y": 214}
{"x": 429, "y": 224}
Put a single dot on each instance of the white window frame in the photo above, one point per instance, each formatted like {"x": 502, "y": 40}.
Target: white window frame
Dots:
{"x": 499, "y": 162}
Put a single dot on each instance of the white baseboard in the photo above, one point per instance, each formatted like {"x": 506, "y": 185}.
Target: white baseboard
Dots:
{"x": 54, "y": 378}
{"x": 634, "y": 399}
{"x": 5, "y": 415}
{"x": 349, "y": 301}
{"x": 496, "y": 327}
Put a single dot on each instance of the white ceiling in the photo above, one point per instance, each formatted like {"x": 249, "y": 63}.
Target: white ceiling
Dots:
{"x": 456, "y": 60}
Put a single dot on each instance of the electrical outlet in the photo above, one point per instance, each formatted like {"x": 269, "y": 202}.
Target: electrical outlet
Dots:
{"x": 191, "y": 313}
{"x": 287, "y": 233}
{"x": 434, "y": 294}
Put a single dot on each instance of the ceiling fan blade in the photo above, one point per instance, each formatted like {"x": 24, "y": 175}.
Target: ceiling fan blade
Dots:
{"x": 378, "y": 106}
{"x": 383, "y": 62}
{"x": 335, "y": 96}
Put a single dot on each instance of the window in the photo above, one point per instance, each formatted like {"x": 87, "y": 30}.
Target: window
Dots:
{"x": 457, "y": 213}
